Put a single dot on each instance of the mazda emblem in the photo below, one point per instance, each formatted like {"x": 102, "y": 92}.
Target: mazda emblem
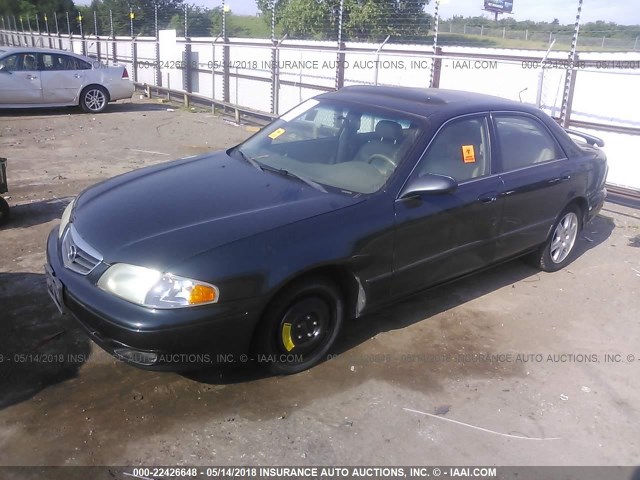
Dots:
{"x": 72, "y": 253}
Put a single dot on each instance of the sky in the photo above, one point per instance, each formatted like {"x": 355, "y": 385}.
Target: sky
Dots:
{"x": 626, "y": 12}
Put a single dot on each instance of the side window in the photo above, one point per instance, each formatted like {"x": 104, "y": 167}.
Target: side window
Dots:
{"x": 10, "y": 63}
{"x": 523, "y": 142}
{"x": 460, "y": 150}
{"x": 369, "y": 123}
{"x": 79, "y": 64}
{"x": 71, "y": 63}
{"x": 20, "y": 62}
{"x": 50, "y": 62}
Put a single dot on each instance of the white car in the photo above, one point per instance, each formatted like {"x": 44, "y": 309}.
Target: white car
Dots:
{"x": 41, "y": 77}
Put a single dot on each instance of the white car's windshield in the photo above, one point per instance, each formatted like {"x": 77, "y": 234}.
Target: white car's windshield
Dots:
{"x": 347, "y": 147}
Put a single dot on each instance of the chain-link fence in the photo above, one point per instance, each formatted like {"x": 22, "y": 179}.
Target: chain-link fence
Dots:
{"x": 533, "y": 38}
{"x": 333, "y": 21}
{"x": 410, "y": 21}
{"x": 269, "y": 64}
{"x": 340, "y": 20}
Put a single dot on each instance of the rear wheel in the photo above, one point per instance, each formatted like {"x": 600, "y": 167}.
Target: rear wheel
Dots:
{"x": 558, "y": 250}
{"x": 300, "y": 326}
{"x": 94, "y": 99}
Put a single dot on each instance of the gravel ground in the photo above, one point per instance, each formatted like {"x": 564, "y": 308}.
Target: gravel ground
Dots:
{"x": 508, "y": 367}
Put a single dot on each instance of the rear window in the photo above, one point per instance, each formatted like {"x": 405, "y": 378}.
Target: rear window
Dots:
{"x": 57, "y": 61}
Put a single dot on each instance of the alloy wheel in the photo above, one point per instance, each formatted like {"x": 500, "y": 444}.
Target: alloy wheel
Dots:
{"x": 95, "y": 99}
{"x": 564, "y": 237}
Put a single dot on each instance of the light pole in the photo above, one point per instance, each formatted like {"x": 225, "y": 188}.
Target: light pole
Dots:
{"x": 565, "y": 109}
{"x": 436, "y": 19}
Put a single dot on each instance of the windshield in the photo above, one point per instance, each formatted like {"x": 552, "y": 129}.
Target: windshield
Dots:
{"x": 351, "y": 148}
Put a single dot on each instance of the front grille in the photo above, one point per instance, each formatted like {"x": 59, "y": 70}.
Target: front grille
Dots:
{"x": 77, "y": 255}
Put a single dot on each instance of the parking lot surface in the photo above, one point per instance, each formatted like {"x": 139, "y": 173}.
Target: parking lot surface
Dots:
{"x": 508, "y": 367}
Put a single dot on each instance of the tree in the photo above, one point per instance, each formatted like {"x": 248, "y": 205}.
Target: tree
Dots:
{"x": 202, "y": 22}
{"x": 375, "y": 19}
{"x": 304, "y": 17}
{"x": 362, "y": 19}
{"x": 597, "y": 29}
{"x": 31, "y": 7}
{"x": 143, "y": 12}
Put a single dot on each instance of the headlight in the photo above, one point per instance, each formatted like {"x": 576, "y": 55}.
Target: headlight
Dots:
{"x": 66, "y": 216}
{"x": 151, "y": 288}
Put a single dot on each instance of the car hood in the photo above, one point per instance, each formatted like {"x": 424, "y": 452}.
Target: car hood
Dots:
{"x": 160, "y": 215}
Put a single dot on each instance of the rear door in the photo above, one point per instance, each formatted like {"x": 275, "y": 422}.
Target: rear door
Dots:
{"x": 538, "y": 181}
{"x": 438, "y": 237}
{"x": 20, "y": 80}
{"x": 63, "y": 77}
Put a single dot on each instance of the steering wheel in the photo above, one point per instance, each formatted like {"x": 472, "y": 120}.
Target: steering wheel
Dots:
{"x": 373, "y": 160}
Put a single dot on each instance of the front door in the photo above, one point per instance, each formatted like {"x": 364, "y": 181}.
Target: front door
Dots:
{"x": 20, "y": 80}
{"x": 438, "y": 237}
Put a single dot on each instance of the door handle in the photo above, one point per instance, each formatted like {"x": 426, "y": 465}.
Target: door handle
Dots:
{"x": 31, "y": 77}
{"x": 488, "y": 198}
{"x": 562, "y": 179}
{"x": 77, "y": 76}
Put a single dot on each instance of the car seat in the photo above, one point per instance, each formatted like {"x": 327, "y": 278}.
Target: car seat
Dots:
{"x": 387, "y": 142}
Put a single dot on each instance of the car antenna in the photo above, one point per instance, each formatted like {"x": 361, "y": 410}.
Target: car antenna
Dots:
{"x": 520, "y": 93}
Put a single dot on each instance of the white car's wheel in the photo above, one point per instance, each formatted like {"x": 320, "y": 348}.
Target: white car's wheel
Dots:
{"x": 94, "y": 99}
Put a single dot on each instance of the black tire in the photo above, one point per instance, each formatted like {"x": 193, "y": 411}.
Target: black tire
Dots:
{"x": 4, "y": 211}
{"x": 559, "y": 249}
{"x": 300, "y": 326}
{"x": 94, "y": 99}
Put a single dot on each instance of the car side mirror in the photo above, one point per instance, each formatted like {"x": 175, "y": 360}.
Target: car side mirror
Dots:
{"x": 429, "y": 184}
{"x": 3, "y": 69}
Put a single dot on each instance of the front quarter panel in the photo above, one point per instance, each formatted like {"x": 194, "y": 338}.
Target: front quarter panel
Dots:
{"x": 358, "y": 238}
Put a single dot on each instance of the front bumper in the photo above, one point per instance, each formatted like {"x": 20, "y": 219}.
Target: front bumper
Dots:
{"x": 176, "y": 338}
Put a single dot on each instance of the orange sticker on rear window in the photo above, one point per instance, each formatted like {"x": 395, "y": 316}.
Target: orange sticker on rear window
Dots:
{"x": 276, "y": 133}
{"x": 468, "y": 154}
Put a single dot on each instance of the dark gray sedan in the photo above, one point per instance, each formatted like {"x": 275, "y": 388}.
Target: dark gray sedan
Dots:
{"x": 348, "y": 202}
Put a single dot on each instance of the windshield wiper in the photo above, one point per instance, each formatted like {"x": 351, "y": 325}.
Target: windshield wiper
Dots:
{"x": 260, "y": 166}
{"x": 282, "y": 171}
{"x": 249, "y": 160}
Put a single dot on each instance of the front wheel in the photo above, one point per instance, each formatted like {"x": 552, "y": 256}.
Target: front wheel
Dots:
{"x": 558, "y": 250}
{"x": 300, "y": 326}
{"x": 94, "y": 99}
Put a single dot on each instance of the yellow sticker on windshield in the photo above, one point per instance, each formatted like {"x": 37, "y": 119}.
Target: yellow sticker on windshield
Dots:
{"x": 275, "y": 134}
{"x": 468, "y": 154}
{"x": 287, "y": 341}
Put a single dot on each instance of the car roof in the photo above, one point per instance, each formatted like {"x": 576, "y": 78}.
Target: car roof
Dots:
{"x": 426, "y": 102}
{"x": 11, "y": 50}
